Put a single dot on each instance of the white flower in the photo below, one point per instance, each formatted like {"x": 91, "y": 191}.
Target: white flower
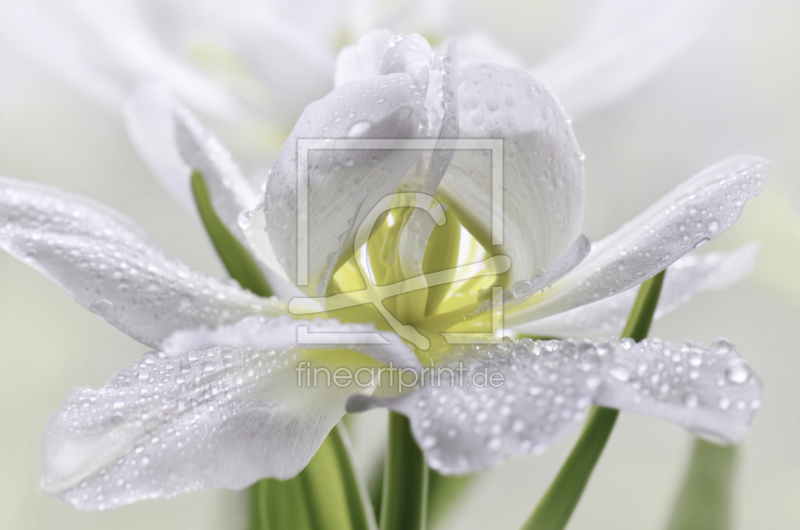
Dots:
{"x": 218, "y": 403}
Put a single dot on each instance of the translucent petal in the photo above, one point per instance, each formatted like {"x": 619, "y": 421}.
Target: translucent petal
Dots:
{"x": 344, "y": 184}
{"x": 623, "y": 45}
{"x": 172, "y": 142}
{"x": 150, "y": 115}
{"x": 110, "y": 267}
{"x": 542, "y": 170}
{"x": 695, "y": 212}
{"x": 490, "y": 402}
{"x": 690, "y": 275}
{"x": 218, "y": 417}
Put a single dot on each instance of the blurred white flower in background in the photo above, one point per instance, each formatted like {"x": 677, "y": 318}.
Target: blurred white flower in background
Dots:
{"x": 253, "y": 66}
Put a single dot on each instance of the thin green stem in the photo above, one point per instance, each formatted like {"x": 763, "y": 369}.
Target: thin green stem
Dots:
{"x": 644, "y": 308}
{"x": 556, "y": 506}
{"x": 237, "y": 260}
{"x": 405, "y": 487}
{"x": 705, "y": 499}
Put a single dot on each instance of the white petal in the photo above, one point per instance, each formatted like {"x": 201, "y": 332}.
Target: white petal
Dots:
{"x": 110, "y": 267}
{"x": 690, "y": 275}
{"x": 329, "y": 334}
{"x": 542, "y": 170}
{"x": 690, "y": 215}
{"x": 407, "y": 54}
{"x": 363, "y": 59}
{"x": 103, "y": 48}
{"x": 172, "y": 142}
{"x": 509, "y": 399}
{"x": 150, "y": 121}
{"x": 442, "y": 112}
{"x": 571, "y": 259}
{"x": 621, "y": 47}
{"x": 343, "y": 185}
{"x": 712, "y": 391}
{"x": 220, "y": 417}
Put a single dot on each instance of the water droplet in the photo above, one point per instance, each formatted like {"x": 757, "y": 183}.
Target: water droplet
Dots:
{"x": 245, "y": 219}
{"x": 428, "y": 441}
{"x": 103, "y": 308}
{"x": 359, "y": 128}
{"x": 721, "y": 347}
{"x": 738, "y": 373}
{"x": 521, "y": 287}
{"x": 620, "y": 373}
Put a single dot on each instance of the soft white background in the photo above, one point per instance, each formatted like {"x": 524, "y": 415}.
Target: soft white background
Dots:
{"x": 737, "y": 91}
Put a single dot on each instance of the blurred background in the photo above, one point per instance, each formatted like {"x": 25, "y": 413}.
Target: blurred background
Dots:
{"x": 700, "y": 81}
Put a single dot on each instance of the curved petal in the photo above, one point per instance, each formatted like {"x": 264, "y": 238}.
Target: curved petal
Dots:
{"x": 223, "y": 416}
{"x": 112, "y": 268}
{"x": 343, "y": 183}
{"x": 363, "y": 59}
{"x": 172, "y": 142}
{"x": 523, "y": 290}
{"x": 442, "y": 112}
{"x": 624, "y": 44}
{"x": 509, "y": 399}
{"x": 149, "y": 115}
{"x": 690, "y": 215}
{"x": 690, "y": 275}
{"x": 542, "y": 169}
{"x": 407, "y": 54}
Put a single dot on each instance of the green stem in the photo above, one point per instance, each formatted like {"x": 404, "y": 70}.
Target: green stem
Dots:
{"x": 556, "y": 506}
{"x": 705, "y": 498}
{"x": 443, "y": 493}
{"x": 405, "y": 487}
